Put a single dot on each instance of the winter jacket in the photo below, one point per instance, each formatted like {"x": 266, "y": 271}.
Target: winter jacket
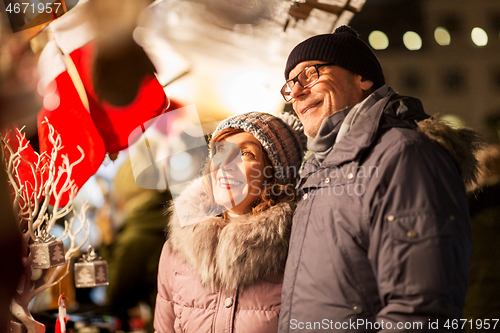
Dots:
{"x": 381, "y": 235}
{"x": 217, "y": 276}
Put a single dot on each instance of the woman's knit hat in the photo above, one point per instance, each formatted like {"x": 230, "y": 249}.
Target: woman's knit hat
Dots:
{"x": 281, "y": 137}
{"x": 342, "y": 48}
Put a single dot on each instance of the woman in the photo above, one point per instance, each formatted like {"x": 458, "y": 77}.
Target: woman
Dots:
{"x": 222, "y": 268}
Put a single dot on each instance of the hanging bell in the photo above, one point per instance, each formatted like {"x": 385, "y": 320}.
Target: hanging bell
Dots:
{"x": 91, "y": 271}
{"x": 47, "y": 252}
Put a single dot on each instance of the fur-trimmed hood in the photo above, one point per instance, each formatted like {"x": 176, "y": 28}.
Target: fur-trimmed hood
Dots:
{"x": 381, "y": 111}
{"x": 462, "y": 144}
{"x": 230, "y": 254}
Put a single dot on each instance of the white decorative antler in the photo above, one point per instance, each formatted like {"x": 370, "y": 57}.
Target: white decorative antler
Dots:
{"x": 31, "y": 203}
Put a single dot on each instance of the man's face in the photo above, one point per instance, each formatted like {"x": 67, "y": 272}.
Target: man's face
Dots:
{"x": 336, "y": 89}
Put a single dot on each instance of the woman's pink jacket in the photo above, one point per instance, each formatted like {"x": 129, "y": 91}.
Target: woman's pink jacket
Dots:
{"x": 222, "y": 276}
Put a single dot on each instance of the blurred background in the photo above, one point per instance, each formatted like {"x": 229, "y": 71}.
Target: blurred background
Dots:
{"x": 227, "y": 57}
{"x": 443, "y": 52}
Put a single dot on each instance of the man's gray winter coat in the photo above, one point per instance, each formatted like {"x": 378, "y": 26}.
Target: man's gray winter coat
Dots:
{"x": 381, "y": 236}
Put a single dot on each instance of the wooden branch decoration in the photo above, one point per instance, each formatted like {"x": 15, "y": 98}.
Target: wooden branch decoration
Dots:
{"x": 35, "y": 178}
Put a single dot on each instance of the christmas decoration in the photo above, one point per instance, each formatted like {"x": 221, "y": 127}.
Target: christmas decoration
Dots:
{"x": 79, "y": 124}
{"x": 66, "y": 110}
{"x": 91, "y": 271}
{"x": 35, "y": 178}
{"x": 61, "y": 320}
{"x": 47, "y": 252}
{"x": 75, "y": 38}
{"x": 70, "y": 82}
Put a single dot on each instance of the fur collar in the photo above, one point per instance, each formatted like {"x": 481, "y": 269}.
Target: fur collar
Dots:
{"x": 230, "y": 254}
{"x": 461, "y": 143}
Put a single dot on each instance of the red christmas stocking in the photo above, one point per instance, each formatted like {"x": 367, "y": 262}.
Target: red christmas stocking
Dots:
{"x": 116, "y": 123}
{"x": 65, "y": 111}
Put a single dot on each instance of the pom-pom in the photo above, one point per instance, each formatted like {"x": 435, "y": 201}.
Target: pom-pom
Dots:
{"x": 345, "y": 28}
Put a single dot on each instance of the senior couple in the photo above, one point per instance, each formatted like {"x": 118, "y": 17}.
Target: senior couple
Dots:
{"x": 255, "y": 247}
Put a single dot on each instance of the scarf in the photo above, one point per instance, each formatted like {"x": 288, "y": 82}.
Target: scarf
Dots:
{"x": 336, "y": 126}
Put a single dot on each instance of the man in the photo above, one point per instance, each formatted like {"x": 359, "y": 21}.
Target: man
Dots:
{"x": 381, "y": 236}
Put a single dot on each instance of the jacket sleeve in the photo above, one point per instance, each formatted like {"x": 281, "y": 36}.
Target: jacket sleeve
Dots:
{"x": 420, "y": 240}
{"x": 164, "y": 317}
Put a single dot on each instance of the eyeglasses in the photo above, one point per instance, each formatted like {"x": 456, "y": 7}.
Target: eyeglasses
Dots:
{"x": 306, "y": 78}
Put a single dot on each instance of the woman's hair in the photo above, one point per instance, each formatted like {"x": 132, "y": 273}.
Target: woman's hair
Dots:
{"x": 272, "y": 193}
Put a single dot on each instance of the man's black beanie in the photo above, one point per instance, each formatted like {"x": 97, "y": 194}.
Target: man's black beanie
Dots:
{"x": 343, "y": 48}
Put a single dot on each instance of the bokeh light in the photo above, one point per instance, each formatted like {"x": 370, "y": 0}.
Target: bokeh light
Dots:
{"x": 442, "y": 36}
{"x": 51, "y": 101}
{"x": 181, "y": 160}
{"x": 181, "y": 166}
{"x": 378, "y": 40}
{"x": 412, "y": 41}
{"x": 479, "y": 36}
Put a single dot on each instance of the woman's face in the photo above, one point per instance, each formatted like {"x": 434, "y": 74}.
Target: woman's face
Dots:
{"x": 237, "y": 172}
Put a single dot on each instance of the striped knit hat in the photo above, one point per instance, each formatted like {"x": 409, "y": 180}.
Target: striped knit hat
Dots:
{"x": 342, "y": 48}
{"x": 281, "y": 137}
